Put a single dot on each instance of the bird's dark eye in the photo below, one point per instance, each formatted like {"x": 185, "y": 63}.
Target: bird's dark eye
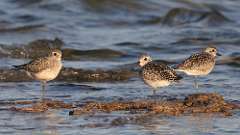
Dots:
{"x": 145, "y": 59}
{"x": 55, "y": 54}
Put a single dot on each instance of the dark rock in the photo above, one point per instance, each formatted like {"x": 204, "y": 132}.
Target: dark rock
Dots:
{"x": 41, "y": 47}
{"x": 181, "y": 16}
{"x": 79, "y": 75}
{"x": 72, "y": 54}
{"x": 37, "y": 48}
{"x": 26, "y": 28}
{"x": 110, "y": 6}
{"x": 71, "y": 75}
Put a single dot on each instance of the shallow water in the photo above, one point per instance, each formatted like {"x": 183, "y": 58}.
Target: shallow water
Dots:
{"x": 110, "y": 35}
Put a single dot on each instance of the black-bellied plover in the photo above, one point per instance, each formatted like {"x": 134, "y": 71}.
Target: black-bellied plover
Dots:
{"x": 199, "y": 64}
{"x": 155, "y": 74}
{"x": 44, "y": 69}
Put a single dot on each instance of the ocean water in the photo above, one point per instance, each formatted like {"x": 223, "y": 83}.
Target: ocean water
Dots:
{"x": 110, "y": 35}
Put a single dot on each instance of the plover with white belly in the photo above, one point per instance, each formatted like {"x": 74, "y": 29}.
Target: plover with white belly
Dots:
{"x": 155, "y": 74}
{"x": 199, "y": 64}
{"x": 44, "y": 69}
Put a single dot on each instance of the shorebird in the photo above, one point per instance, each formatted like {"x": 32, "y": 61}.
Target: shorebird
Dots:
{"x": 44, "y": 69}
{"x": 199, "y": 64}
{"x": 155, "y": 74}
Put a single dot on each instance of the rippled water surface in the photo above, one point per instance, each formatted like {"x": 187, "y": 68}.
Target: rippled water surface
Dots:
{"x": 109, "y": 35}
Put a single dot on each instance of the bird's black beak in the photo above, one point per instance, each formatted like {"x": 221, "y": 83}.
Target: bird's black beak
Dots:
{"x": 218, "y": 54}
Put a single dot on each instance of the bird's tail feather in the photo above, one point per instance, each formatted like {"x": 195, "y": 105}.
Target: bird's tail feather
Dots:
{"x": 19, "y": 66}
{"x": 179, "y": 77}
{"x": 178, "y": 67}
{"x": 179, "y": 70}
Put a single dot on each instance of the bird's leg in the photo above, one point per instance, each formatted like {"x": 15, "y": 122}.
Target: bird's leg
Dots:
{"x": 43, "y": 83}
{"x": 195, "y": 82}
{"x": 154, "y": 95}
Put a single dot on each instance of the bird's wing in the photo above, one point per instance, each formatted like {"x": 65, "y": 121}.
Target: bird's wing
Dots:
{"x": 163, "y": 72}
{"x": 195, "y": 61}
{"x": 36, "y": 65}
{"x": 187, "y": 63}
{"x": 168, "y": 73}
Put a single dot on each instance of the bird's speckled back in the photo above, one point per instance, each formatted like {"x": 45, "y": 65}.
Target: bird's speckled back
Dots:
{"x": 156, "y": 71}
{"x": 199, "y": 61}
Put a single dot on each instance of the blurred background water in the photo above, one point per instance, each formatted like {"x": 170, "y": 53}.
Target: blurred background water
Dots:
{"x": 111, "y": 34}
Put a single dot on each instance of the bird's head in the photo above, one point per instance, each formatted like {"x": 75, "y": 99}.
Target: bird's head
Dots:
{"x": 56, "y": 53}
{"x": 144, "y": 59}
{"x": 212, "y": 51}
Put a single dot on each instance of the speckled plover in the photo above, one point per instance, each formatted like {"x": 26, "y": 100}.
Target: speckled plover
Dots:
{"x": 44, "y": 69}
{"x": 155, "y": 74}
{"x": 199, "y": 64}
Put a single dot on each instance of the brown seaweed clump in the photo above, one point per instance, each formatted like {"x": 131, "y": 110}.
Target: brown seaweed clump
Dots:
{"x": 41, "y": 106}
{"x": 192, "y": 104}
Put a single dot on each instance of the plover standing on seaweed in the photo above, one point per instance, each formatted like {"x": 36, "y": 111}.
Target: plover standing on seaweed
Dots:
{"x": 155, "y": 74}
{"x": 44, "y": 69}
{"x": 199, "y": 64}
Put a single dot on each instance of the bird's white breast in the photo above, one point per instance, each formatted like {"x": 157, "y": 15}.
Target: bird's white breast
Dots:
{"x": 199, "y": 72}
{"x": 157, "y": 84}
{"x": 49, "y": 73}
